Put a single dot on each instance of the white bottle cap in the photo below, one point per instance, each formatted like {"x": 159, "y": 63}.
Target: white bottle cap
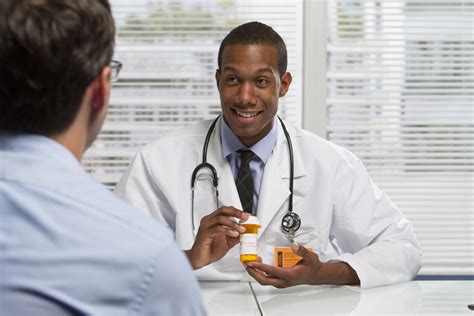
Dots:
{"x": 252, "y": 220}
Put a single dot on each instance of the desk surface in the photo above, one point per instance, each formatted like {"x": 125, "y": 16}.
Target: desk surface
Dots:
{"x": 410, "y": 298}
{"x": 229, "y": 298}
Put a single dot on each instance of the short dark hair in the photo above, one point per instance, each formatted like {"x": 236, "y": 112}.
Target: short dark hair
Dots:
{"x": 50, "y": 51}
{"x": 256, "y": 33}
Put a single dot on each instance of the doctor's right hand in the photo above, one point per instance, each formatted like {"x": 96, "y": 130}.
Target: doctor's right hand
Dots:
{"x": 216, "y": 235}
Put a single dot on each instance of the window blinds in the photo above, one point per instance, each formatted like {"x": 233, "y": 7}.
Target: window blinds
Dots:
{"x": 400, "y": 95}
{"x": 169, "y": 51}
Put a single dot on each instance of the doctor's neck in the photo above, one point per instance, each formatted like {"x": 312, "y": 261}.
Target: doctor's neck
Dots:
{"x": 250, "y": 130}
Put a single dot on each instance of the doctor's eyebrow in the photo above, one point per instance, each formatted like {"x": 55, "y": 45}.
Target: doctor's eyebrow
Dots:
{"x": 258, "y": 71}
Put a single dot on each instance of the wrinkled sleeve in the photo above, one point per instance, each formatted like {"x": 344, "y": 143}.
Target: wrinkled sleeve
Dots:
{"x": 172, "y": 289}
{"x": 372, "y": 234}
{"x": 140, "y": 188}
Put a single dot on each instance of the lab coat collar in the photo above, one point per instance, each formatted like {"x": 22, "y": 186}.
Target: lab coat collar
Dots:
{"x": 215, "y": 156}
{"x": 282, "y": 154}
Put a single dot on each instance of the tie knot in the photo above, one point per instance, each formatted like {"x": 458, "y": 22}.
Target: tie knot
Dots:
{"x": 246, "y": 155}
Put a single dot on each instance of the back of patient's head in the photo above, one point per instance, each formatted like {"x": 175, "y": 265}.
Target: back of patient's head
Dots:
{"x": 256, "y": 33}
{"x": 50, "y": 51}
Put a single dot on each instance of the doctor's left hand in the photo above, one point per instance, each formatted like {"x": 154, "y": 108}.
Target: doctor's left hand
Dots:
{"x": 216, "y": 235}
{"x": 309, "y": 270}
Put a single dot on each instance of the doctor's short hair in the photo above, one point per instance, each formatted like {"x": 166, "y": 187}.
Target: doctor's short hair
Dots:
{"x": 256, "y": 33}
{"x": 50, "y": 51}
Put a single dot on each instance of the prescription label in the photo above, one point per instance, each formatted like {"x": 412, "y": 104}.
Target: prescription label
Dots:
{"x": 248, "y": 244}
{"x": 285, "y": 257}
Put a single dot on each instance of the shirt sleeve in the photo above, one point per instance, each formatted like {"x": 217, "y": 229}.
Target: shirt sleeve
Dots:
{"x": 173, "y": 288}
{"x": 374, "y": 237}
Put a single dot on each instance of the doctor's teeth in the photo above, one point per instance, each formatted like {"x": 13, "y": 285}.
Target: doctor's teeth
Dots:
{"x": 247, "y": 115}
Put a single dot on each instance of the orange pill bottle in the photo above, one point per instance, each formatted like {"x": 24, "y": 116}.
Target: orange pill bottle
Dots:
{"x": 248, "y": 239}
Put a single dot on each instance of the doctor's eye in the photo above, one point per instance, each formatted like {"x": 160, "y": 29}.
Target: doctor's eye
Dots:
{"x": 262, "y": 82}
{"x": 231, "y": 80}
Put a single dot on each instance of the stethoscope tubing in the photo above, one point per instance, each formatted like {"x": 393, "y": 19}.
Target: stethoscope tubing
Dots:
{"x": 292, "y": 164}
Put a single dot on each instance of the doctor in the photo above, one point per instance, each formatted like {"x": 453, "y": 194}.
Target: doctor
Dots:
{"x": 355, "y": 233}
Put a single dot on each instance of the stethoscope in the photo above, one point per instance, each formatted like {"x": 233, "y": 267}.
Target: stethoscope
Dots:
{"x": 290, "y": 223}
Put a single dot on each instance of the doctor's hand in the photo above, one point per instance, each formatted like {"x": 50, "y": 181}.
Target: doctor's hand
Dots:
{"x": 216, "y": 235}
{"x": 309, "y": 270}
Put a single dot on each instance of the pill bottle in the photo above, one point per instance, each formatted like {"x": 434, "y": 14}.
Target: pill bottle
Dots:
{"x": 248, "y": 239}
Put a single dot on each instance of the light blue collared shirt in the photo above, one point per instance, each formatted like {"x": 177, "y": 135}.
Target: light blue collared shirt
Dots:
{"x": 69, "y": 246}
{"x": 262, "y": 149}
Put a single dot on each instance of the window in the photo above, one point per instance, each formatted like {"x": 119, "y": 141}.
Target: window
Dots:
{"x": 400, "y": 95}
{"x": 169, "y": 52}
{"x": 397, "y": 83}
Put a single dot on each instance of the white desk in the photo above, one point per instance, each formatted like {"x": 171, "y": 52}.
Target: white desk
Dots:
{"x": 410, "y": 298}
{"x": 229, "y": 298}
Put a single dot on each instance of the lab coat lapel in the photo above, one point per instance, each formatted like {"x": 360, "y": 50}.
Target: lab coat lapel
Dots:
{"x": 275, "y": 190}
{"x": 273, "y": 193}
{"x": 228, "y": 195}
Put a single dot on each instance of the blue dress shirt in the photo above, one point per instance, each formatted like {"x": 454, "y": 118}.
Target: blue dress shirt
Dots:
{"x": 262, "y": 149}
{"x": 69, "y": 246}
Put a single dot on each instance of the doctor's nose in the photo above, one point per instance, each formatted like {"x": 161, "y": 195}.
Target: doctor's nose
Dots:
{"x": 246, "y": 94}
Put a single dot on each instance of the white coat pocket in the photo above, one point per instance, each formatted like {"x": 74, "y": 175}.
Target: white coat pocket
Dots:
{"x": 309, "y": 237}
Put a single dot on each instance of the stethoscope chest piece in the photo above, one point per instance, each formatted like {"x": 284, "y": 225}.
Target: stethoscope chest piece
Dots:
{"x": 291, "y": 222}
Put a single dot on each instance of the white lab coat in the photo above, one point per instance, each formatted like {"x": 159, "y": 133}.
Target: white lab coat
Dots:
{"x": 345, "y": 216}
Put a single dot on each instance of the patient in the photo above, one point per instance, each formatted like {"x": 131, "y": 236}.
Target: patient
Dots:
{"x": 68, "y": 245}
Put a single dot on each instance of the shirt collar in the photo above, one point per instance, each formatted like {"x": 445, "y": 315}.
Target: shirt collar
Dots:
{"x": 231, "y": 143}
{"x": 38, "y": 146}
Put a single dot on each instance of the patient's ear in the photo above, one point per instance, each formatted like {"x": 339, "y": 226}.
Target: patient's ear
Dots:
{"x": 100, "y": 90}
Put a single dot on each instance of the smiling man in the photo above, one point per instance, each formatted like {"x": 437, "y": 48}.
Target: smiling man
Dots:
{"x": 347, "y": 230}
{"x": 250, "y": 84}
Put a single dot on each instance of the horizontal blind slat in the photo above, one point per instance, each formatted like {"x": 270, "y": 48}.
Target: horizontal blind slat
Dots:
{"x": 401, "y": 96}
{"x": 169, "y": 55}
